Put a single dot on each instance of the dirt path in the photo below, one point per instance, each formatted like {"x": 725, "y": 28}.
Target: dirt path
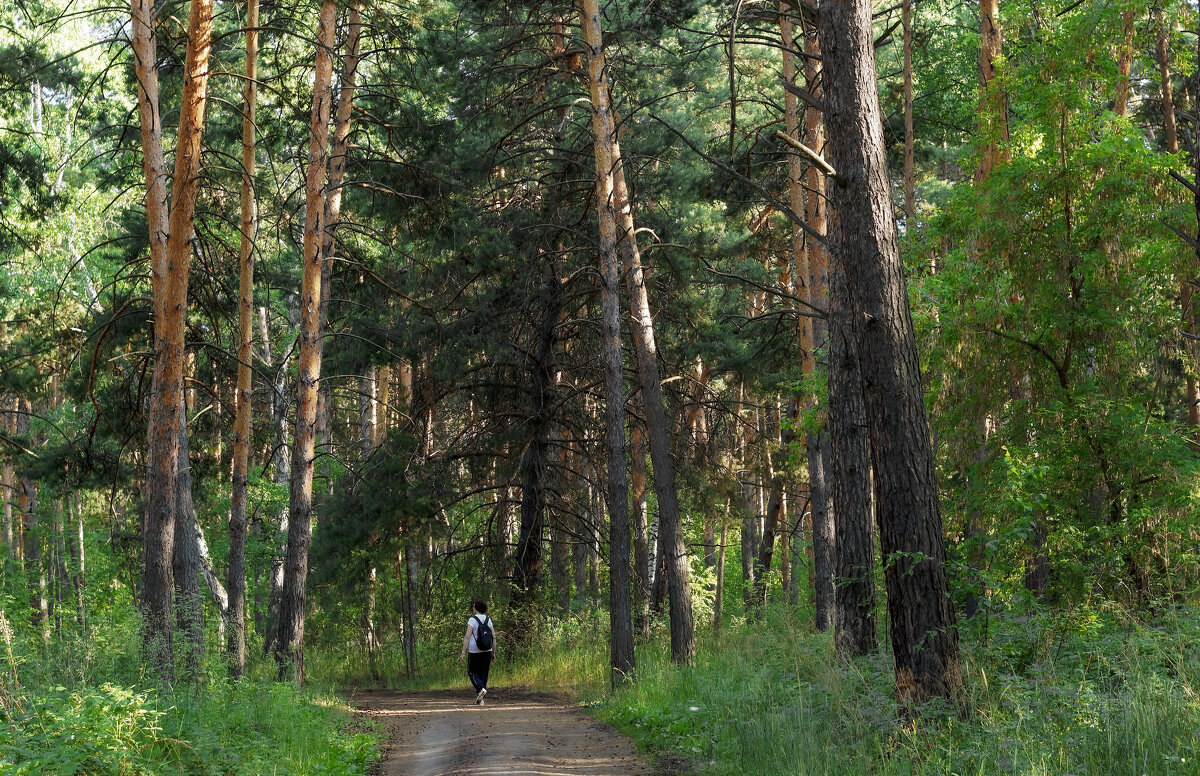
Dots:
{"x": 516, "y": 733}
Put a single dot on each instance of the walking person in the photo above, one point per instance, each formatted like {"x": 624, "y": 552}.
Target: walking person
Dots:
{"x": 479, "y": 647}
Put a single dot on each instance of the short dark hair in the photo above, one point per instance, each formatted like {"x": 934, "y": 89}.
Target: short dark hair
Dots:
{"x": 480, "y": 605}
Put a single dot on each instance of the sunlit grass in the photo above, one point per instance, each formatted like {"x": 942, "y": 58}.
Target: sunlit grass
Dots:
{"x": 1048, "y": 695}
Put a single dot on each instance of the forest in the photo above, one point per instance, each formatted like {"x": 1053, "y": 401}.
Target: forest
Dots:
{"x": 807, "y": 386}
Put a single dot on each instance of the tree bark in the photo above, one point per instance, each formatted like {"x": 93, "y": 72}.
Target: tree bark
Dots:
{"x": 1124, "y": 63}
{"x": 158, "y": 524}
{"x": 171, "y": 233}
{"x": 78, "y": 562}
{"x": 854, "y": 551}
{"x": 910, "y": 185}
{"x": 528, "y": 569}
{"x": 641, "y": 529}
{"x": 775, "y": 503}
{"x": 8, "y": 485}
{"x": 1170, "y": 129}
{"x": 185, "y": 560}
{"x": 615, "y": 196}
{"x": 281, "y": 476}
{"x": 719, "y": 601}
{"x": 236, "y": 647}
{"x": 923, "y": 634}
{"x": 289, "y": 647}
{"x": 992, "y": 100}
{"x": 816, "y": 282}
{"x": 1171, "y": 140}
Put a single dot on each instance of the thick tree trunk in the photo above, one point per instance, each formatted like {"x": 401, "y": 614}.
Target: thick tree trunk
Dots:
{"x": 993, "y": 119}
{"x": 854, "y": 551}
{"x": 236, "y": 647}
{"x": 289, "y": 647}
{"x": 185, "y": 560}
{"x": 923, "y": 634}
{"x": 620, "y": 584}
{"x": 171, "y": 235}
{"x": 683, "y": 641}
{"x": 158, "y": 523}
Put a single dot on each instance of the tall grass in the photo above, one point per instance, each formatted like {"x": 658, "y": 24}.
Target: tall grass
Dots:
{"x": 80, "y": 704}
{"x": 1049, "y": 694}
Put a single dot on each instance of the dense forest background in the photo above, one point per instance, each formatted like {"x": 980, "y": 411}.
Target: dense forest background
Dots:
{"x": 717, "y": 372}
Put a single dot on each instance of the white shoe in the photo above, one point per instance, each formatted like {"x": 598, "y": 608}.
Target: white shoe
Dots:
{"x": 479, "y": 696}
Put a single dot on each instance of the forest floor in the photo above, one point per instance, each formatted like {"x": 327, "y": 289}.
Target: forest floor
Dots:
{"x": 516, "y": 732}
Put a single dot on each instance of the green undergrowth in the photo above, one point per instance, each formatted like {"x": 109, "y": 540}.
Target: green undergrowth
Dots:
{"x": 1050, "y": 693}
{"x": 219, "y": 730}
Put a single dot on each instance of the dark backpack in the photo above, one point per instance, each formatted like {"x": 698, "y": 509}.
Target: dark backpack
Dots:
{"x": 483, "y": 635}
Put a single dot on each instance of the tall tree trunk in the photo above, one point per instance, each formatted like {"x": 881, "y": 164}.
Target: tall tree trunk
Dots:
{"x": 27, "y": 505}
{"x": 158, "y": 523}
{"x": 185, "y": 560}
{"x": 816, "y": 292}
{"x": 608, "y": 157}
{"x": 78, "y": 561}
{"x": 641, "y": 529}
{"x": 1170, "y": 129}
{"x": 332, "y": 207}
{"x": 236, "y": 647}
{"x": 1124, "y": 63}
{"x": 171, "y": 233}
{"x": 59, "y": 568}
{"x": 923, "y": 634}
{"x": 854, "y": 552}
{"x": 910, "y": 180}
{"x": 1171, "y": 140}
{"x": 281, "y": 475}
{"x": 289, "y": 647}
{"x": 719, "y": 602}
{"x": 528, "y": 569}
{"x": 620, "y": 585}
{"x": 993, "y": 118}
{"x": 8, "y": 485}
{"x": 775, "y": 506}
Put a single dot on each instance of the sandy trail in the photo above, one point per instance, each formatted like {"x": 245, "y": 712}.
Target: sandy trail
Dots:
{"x": 516, "y": 733}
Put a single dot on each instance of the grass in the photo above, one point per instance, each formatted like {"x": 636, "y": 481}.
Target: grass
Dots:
{"x": 1050, "y": 694}
{"x": 81, "y": 707}
{"x": 223, "y": 729}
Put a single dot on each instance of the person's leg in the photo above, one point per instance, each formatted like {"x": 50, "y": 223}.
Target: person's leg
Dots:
{"x": 485, "y": 665}
{"x": 477, "y": 668}
{"x": 473, "y": 670}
